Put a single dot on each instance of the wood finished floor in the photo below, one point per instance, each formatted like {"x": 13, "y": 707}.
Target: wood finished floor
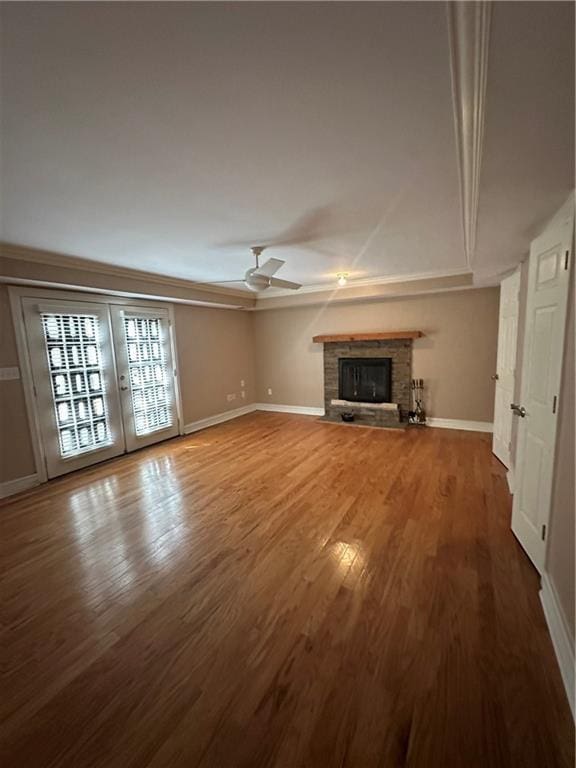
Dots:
{"x": 277, "y": 591}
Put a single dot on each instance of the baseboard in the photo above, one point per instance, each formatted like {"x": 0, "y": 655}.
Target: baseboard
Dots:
{"x": 469, "y": 426}
{"x": 307, "y": 410}
{"x": 563, "y": 645}
{"x": 304, "y": 410}
{"x": 11, "y": 487}
{"x": 218, "y": 418}
{"x": 511, "y": 478}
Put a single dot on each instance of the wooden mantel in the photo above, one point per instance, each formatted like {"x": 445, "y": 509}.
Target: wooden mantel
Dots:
{"x": 375, "y": 336}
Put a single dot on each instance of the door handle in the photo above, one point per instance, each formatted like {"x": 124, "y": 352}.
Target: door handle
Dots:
{"x": 495, "y": 377}
{"x": 123, "y": 389}
{"x": 519, "y": 410}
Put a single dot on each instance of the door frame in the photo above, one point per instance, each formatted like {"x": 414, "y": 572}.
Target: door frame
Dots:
{"x": 16, "y": 293}
{"x": 517, "y": 277}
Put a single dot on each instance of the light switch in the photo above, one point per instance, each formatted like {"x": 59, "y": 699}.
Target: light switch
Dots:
{"x": 7, "y": 374}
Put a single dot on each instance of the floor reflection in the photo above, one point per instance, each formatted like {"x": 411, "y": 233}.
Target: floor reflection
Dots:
{"x": 163, "y": 522}
{"x": 140, "y": 521}
{"x": 350, "y": 558}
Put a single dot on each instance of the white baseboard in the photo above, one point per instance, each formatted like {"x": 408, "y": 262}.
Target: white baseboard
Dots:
{"x": 511, "y": 478}
{"x": 307, "y": 410}
{"x": 11, "y": 487}
{"x": 563, "y": 645}
{"x": 304, "y": 410}
{"x": 218, "y": 418}
{"x": 469, "y": 426}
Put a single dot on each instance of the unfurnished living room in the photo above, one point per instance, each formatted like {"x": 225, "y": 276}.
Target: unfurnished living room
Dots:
{"x": 287, "y": 384}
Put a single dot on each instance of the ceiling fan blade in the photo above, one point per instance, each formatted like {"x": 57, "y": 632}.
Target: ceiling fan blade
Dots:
{"x": 277, "y": 283}
{"x": 270, "y": 267}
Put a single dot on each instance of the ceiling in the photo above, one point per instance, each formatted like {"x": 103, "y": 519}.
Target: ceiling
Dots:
{"x": 171, "y": 137}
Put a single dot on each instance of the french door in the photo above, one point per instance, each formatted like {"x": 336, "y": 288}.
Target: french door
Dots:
{"x": 145, "y": 375}
{"x": 103, "y": 379}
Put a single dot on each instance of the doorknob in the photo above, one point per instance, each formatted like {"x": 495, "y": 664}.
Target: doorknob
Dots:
{"x": 495, "y": 377}
{"x": 123, "y": 389}
{"x": 519, "y": 410}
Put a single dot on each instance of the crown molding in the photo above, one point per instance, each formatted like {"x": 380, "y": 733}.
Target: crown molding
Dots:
{"x": 109, "y": 292}
{"x": 209, "y": 291}
{"x": 50, "y": 258}
{"x": 369, "y": 299}
{"x": 469, "y": 38}
{"x": 189, "y": 292}
{"x": 380, "y": 292}
{"x": 361, "y": 282}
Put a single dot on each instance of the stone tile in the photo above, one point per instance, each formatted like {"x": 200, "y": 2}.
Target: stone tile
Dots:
{"x": 399, "y": 351}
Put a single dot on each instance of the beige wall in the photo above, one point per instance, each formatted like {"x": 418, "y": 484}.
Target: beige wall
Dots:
{"x": 560, "y": 555}
{"x": 215, "y": 350}
{"x": 456, "y": 358}
{"x": 16, "y": 457}
{"x": 219, "y": 348}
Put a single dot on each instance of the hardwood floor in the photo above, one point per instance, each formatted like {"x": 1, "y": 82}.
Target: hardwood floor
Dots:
{"x": 277, "y": 591}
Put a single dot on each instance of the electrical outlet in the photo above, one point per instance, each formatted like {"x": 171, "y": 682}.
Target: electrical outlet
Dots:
{"x": 7, "y": 374}
{"x": 243, "y": 395}
{"x": 242, "y": 383}
{"x": 269, "y": 390}
{"x": 231, "y": 397}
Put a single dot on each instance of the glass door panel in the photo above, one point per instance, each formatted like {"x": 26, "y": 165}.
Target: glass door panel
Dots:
{"x": 75, "y": 383}
{"x": 146, "y": 375}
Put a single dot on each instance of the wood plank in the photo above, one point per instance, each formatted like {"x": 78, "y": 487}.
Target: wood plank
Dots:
{"x": 277, "y": 591}
{"x": 376, "y": 336}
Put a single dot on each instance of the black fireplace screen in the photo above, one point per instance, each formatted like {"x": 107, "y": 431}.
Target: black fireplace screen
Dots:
{"x": 365, "y": 379}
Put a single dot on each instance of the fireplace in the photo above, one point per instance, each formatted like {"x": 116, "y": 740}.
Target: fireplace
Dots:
{"x": 365, "y": 379}
{"x": 368, "y": 376}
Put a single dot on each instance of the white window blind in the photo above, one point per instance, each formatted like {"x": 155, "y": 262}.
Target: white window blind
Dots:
{"x": 74, "y": 361}
{"x": 147, "y": 367}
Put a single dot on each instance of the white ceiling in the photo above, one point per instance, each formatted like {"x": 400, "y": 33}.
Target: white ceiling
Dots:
{"x": 170, "y": 137}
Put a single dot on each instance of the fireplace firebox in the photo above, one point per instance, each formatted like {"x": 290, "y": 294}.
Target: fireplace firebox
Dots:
{"x": 365, "y": 379}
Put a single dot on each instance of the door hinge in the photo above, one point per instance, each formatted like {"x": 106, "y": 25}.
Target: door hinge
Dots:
{"x": 566, "y": 256}
{"x": 543, "y": 532}
{"x": 555, "y": 401}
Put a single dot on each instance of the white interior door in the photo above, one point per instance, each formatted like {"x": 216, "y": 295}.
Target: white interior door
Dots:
{"x": 506, "y": 367}
{"x": 146, "y": 374}
{"x": 548, "y": 280}
{"x": 72, "y": 361}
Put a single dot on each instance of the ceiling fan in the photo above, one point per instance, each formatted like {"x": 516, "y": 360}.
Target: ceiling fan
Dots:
{"x": 260, "y": 277}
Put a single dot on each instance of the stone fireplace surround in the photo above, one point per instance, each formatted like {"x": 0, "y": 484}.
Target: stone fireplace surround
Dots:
{"x": 399, "y": 350}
